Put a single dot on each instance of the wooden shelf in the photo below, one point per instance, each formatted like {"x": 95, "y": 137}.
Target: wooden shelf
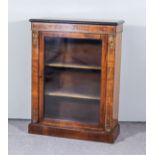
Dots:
{"x": 71, "y": 95}
{"x": 62, "y": 65}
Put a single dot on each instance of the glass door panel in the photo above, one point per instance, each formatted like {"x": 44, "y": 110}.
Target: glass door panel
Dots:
{"x": 72, "y": 75}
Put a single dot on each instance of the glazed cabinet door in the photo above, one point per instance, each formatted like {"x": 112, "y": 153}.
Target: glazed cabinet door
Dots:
{"x": 71, "y": 67}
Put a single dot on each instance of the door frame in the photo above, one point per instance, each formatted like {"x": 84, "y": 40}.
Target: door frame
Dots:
{"x": 65, "y": 123}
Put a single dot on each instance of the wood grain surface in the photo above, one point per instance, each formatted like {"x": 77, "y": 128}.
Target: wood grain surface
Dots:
{"x": 75, "y": 79}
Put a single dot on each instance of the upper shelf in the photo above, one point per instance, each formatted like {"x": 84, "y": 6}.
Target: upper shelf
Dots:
{"x": 80, "y": 21}
{"x": 62, "y": 65}
{"x": 71, "y": 95}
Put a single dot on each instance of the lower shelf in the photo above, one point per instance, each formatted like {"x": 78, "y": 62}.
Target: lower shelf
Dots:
{"x": 109, "y": 137}
{"x": 84, "y": 84}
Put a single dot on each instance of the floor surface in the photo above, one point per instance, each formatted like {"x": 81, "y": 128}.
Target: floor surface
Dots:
{"x": 131, "y": 141}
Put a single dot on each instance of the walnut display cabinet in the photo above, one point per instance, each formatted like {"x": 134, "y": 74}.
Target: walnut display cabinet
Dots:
{"x": 75, "y": 78}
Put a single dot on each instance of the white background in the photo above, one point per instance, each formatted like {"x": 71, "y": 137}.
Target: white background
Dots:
{"x": 132, "y": 90}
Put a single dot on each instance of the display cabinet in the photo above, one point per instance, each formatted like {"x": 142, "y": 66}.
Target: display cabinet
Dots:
{"x": 75, "y": 78}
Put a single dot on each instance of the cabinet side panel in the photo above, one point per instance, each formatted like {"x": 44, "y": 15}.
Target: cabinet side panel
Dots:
{"x": 35, "y": 60}
{"x": 103, "y": 80}
{"x": 110, "y": 83}
{"x": 117, "y": 77}
{"x": 113, "y": 81}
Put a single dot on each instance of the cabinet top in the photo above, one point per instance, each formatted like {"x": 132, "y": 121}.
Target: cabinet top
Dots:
{"x": 92, "y": 22}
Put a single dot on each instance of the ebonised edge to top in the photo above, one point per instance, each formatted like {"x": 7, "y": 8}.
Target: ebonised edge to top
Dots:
{"x": 92, "y": 22}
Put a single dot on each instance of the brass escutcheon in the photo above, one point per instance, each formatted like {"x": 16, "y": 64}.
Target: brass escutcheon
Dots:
{"x": 111, "y": 41}
{"x": 35, "y": 38}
